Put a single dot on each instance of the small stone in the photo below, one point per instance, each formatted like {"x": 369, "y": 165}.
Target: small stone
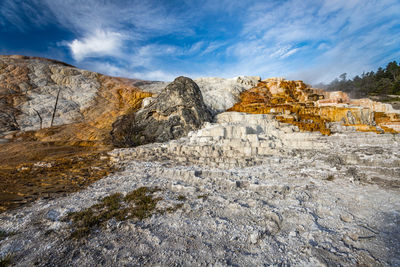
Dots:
{"x": 346, "y": 218}
{"x": 254, "y": 237}
{"x": 53, "y": 215}
{"x": 353, "y": 236}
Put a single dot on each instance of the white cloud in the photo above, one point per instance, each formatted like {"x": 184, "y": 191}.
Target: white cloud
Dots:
{"x": 155, "y": 75}
{"x": 317, "y": 40}
{"x": 284, "y": 52}
{"x": 99, "y": 43}
{"x": 196, "y": 47}
{"x": 290, "y": 52}
{"x": 212, "y": 46}
{"x": 314, "y": 39}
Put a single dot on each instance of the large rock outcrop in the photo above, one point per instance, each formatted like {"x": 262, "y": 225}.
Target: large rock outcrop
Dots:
{"x": 219, "y": 94}
{"x": 178, "y": 109}
{"x": 87, "y": 102}
{"x": 48, "y": 149}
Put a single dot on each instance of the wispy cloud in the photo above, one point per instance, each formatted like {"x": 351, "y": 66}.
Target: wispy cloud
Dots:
{"x": 137, "y": 17}
{"x": 313, "y": 40}
{"x": 99, "y": 43}
{"x": 213, "y": 46}
{"x": 21, "y": 15}
{"x": 284, "y": 52}
{"x": 318, "y": 40}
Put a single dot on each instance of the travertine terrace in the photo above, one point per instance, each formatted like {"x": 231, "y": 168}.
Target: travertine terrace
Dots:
{"x": 288, "y": 176}
{"x": 251, "y": 191}
{"x": 313, "y": 109}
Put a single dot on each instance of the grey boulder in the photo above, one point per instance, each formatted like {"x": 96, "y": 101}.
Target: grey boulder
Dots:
{"x": 178, "y": 109}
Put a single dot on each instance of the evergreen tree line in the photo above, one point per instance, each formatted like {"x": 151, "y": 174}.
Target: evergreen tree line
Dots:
{"x": 383, "y": 82}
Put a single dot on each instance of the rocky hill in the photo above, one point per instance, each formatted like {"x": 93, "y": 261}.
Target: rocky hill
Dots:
{"x": 39, "y": 93}
{"x": 239, "y": 171}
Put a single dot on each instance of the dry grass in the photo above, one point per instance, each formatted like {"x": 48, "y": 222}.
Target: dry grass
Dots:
{"x": 330, "y": 177}
{"x": 30, "y": 170}
{"x": 138, "y": 204}
{"x": 5, "y": 234}
{"x": 6, "y": 260}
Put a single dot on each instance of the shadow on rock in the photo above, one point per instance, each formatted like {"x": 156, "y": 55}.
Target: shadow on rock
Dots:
{"x": 178, "y": 109}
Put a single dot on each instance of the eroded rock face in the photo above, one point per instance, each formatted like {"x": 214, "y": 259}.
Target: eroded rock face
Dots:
{"x": 178, "y": 109}
{"x": 219, "y": 94}
{"x": 313, "y": 109}
{"x": 37, "y": 160}
{"x": 88, "y": 102}
{"x": 33, "y": 85}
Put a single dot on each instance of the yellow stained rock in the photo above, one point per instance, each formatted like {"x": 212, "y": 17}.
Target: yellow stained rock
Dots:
{"x": 311, "y": 109}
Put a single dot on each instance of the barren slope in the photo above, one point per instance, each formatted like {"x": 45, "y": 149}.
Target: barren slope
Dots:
{"x": 316, "y": 201}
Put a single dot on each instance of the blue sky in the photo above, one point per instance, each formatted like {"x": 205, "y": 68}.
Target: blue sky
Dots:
{"x": 311, "y": 40}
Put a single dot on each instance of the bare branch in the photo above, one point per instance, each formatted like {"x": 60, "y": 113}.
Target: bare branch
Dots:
{"x": 55, "y": 107}
{"x": 40, "y": 118}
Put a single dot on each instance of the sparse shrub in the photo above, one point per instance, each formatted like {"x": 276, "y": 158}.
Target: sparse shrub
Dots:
{"x": 202, "y": 196}
{"x": 181, "y": 198}
{"x": 138, "y": 204}
{"x": 174, "y": 208}
{"x": 330, "y": 177}
{"x": 5, "y": 234}
{"x": 6, "y": 260}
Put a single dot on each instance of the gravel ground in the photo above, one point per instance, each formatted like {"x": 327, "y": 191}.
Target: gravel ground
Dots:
{"x": 296, "y": 209}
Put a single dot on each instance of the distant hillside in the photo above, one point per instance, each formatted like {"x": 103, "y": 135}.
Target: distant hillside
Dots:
{"x": 383, "y": 82}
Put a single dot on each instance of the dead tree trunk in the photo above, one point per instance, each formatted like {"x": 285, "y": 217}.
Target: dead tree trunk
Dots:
{"x": 40, "y": 118}
{"x": 55, "y": 108}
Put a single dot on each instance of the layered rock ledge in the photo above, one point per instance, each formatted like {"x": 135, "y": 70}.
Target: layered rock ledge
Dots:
{"x": 315, "y": 109}
{"x": 250, "y": 191}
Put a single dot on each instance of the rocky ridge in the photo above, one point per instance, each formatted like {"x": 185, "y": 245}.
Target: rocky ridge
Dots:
{"x": 86, "y": 101}
{"x": 219, "y": 94}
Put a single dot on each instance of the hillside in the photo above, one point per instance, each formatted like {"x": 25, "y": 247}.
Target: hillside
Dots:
{"x": 381, "y": 85}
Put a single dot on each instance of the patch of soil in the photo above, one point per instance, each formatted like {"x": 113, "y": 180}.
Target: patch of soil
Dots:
{"x": 30, "y": 170}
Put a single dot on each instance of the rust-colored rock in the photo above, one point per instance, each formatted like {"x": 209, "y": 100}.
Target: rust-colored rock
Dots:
{"x": 314, "y": 109}
{"x": 42, "y": 156}
{"x": 88, "y": 102}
